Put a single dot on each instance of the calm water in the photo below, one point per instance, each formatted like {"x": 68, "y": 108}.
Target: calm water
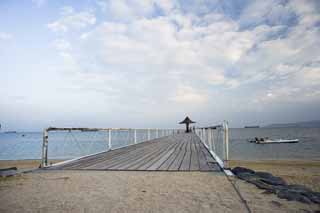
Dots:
{"x": 64, "y": 145}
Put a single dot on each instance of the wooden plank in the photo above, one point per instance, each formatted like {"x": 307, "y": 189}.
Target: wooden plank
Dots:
{"x": 181, "y": 152}
{"x": 171, "y": 159}
{"x": 124, "y": 158}
{"x": 142, "y": 163}
{"x": 111, "y": 158}
{"x": 185, "y": 164}
{"x": 104, "y": 156}
{"x": 157, "y": 161}
{"x": 137, "y": 156}
{"x": 177, "y": 162}
{"x": 194, "y": 163}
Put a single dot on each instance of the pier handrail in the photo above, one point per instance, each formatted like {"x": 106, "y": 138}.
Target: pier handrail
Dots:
{"x": 206, "y": 136}
{"x": 44, "y": 161}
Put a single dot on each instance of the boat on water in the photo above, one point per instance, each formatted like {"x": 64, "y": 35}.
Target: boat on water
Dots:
{"x": 10, "y": 132}
{"x": 269, "y": 141}
{"x": 248, "y": 127}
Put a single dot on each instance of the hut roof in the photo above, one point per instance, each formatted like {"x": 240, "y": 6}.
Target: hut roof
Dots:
{"x": 187, "y": 120}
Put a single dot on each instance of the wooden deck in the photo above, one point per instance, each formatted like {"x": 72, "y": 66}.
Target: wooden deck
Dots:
{"x": 180, "y": 152}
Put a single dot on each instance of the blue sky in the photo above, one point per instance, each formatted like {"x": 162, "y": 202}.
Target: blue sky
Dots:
{"x": 148, "y": 63}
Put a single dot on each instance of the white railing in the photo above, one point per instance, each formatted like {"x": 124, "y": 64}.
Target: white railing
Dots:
{"x": 216, "y": 139}
{"x": 112, "y": 137}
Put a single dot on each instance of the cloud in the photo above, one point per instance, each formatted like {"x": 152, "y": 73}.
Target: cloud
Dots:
{"x": 5, "y": 36}
{"x": 167, "y": 53}
{"x": 71, "y": 20}
{"x": 39, "y": 3}
{"x": 61, "y": 45}
{"x": 189, "y": 95}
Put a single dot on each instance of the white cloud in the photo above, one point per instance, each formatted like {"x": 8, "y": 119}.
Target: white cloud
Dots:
{"x": 183, "y": 57}
{"x": 189, "y": 95}
{"x": 5, "y": 36}
{"x": 39, "y": 3}
{"x": 61, "y": 45}
{"x": 71, "y": 20}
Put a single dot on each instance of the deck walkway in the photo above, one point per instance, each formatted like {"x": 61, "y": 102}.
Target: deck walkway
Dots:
{"x": 180, "y": 152}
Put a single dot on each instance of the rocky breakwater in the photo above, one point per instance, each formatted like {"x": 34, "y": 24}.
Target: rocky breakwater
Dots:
{"x": 278, "y": 186}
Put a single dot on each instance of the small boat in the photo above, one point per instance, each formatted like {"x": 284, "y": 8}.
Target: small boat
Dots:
{"x": 278, "y": 141}
{"x": 268, "y": 141}
{"x": 10, "y": 132}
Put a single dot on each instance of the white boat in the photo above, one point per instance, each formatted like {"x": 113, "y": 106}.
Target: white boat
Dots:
{"x": 267, "y": 141}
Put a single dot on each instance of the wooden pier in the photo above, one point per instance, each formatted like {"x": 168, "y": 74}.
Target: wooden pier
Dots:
{"x": 179, "y": 152}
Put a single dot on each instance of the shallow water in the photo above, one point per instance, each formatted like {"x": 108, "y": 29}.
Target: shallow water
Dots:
{"x": 65, "y": 145}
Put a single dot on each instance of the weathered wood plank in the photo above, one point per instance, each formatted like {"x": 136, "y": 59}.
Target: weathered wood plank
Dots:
{"x": 142, "y": 160}
{"x": 125, "y": 158}
{"x": 194, "y": 162}
{"x": 181, "y": 152}
{"x": 106, "y": 155}
{"x": 165, "y": 165}
{"x": 177, "y": 162}
{"x": 185, "y": 164}
{"x": 157, "y": 161}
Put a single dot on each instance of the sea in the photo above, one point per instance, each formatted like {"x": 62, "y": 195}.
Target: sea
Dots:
{"x": 68, "y": 145}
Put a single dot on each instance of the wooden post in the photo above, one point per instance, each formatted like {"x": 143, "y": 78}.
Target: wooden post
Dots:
{"x": 44, "y": 162}
{"x": 109, "y": 141}
{"x": 135, "y": 136}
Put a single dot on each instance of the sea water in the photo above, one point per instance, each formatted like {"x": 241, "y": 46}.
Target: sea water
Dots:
{"x": 67, "y": 145}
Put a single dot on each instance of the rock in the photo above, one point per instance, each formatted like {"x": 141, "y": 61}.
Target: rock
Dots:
{"x": 10, "y": 168}
{"x": 276, "y": 181}
{"x": 240, "y": 170}
{"x": 262, "y": 185}
{"x": 276, "y": 203}
{"x": 273, "y": 184}
{"x": 293, "y": 196}
{"x": 7, "y": 173}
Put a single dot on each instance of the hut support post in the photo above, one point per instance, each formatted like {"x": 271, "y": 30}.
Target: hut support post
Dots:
{"x": 148, "y": 134}
{"x": 109, "y": 140}
{"x": 135, "y": 136}
{"x": 44, "y": 162}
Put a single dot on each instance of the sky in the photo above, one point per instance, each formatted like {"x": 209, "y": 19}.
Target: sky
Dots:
{"x": 149, "y": 63}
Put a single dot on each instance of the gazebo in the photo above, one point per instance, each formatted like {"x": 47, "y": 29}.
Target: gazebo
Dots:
{"x": 187, "y": 121}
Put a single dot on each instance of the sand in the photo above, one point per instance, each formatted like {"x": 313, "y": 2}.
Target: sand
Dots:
{"x": 111, "y": 191}
{"x": 23, "y": 164}
{"x": 128, "y": 191}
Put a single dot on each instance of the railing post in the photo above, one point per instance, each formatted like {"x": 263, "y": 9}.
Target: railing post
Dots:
{"x": 209, "y": 138}
{"x": 226, "y": 140}
{"x": 109, "y": 141}
{"x": 213, "y": 143}
{"x": 135, "y": 136}
{"x": 44, "y": 162}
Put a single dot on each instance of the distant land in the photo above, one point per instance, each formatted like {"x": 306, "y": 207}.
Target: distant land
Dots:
{"x": 297, "y": 124}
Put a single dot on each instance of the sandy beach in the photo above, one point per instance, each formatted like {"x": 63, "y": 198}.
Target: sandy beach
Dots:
{"x": 23, "y": 164}
{"x": 110, "y": 191}
{"x": 101, "y": 191}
